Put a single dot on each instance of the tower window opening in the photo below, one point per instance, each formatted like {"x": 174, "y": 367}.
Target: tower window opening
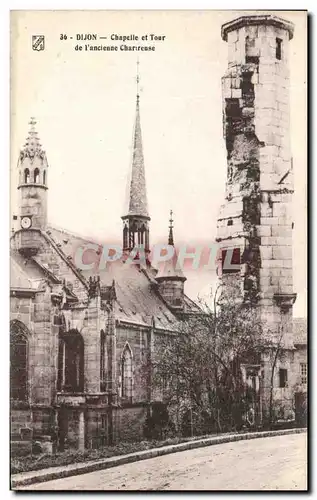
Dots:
{"x": 44, "y": 177}
{"x": 231, "y": 260}
{"x": 234, "y": 120}
{"x": 303, "y": 373}
{"x": 230, "y": 222}
{"x": 36, "y": 176}
{"x": 247, "y": 88}
{"x": 233, "y": 108}
{"x": 251, "y": 52}
{"x": 26, "y": 176}
{"x": 278, "y": 49}
{"x": 283, "y": 377}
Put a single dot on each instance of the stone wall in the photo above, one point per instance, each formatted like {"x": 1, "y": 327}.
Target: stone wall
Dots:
{"x": 129, "y": 423}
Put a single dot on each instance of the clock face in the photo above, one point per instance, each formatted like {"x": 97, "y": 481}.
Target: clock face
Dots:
{"x": 26, "y": 222}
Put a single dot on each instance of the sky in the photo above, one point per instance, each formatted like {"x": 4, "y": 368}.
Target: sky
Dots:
{"x": 84, "y": 103}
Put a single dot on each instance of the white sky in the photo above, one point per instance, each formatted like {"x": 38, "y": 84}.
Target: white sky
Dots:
{"x": 85, "y": 103}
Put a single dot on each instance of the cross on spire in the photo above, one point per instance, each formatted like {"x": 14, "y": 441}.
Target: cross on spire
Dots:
{"x": 32, "y": 122}
{"x": 32, "y": 140}
{"x": 32, "y": 146}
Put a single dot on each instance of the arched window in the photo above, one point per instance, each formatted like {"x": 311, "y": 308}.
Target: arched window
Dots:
{"x": 125, "y": 237}
{"x": 102, "y": 360}
{"x": 142, "y": 231}
{"x": 18, "y": 361}
{"x": 70, "y": 362}
{"x": 126, "y": 373}
{"x": 26, "y": 176}
{"x": 44, "y": 177}
{"x": 36, "y": 176}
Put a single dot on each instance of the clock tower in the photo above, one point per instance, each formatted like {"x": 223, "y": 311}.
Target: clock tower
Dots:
{"x": 32, "y": 166}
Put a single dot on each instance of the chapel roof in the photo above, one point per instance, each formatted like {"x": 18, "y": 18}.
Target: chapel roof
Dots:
{"x": 137, "y": 298}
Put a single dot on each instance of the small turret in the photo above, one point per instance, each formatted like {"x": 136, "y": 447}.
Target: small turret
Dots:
{"x": 170, "y": 278}
{"x": 33, "y": 166}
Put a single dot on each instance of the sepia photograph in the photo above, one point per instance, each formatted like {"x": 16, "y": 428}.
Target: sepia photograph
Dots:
{"x": 158, "y": 250}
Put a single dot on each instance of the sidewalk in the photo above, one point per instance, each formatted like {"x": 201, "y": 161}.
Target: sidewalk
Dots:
{"x": 31, "y": 477}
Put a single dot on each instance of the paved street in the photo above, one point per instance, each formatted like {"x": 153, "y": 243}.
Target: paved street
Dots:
{"x": 275, "y": 463}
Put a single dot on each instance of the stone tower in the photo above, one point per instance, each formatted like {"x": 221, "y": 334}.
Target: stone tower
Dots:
{"x": 255, "y": 224}
{"x": 33, "y": 167}
{"x": 136, "y": 220}
{"x": 170, "y": 277}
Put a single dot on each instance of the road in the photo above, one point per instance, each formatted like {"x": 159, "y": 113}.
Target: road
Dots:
{"x": 274, "y": 463}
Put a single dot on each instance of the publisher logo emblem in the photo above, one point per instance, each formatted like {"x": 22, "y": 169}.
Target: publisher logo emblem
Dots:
{"x": 38, "y": 42}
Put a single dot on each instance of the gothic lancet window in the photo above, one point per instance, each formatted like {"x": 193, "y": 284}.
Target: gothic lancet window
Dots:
{"x": 71, "y": 362}
{"x": 36, "y": 176}
{"x": 126, "y": 373}
{"x": 44, "y": 177}
{"x": 125, "y": 237}
{"x": 26, "y": 176}
{"x": 142, "y": 233}
{"x": 18, "y": 361}
{"x": 102, "y": 360}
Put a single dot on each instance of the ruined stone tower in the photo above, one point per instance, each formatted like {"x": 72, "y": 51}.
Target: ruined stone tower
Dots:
{"x": 255, "y": 223}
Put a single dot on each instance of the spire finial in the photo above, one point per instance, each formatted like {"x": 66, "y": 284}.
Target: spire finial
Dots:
{"x": 137, "y": 79}
{"x": 170, "y": 235}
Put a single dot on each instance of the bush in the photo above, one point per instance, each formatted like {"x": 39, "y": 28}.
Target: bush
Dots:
{"x": 33, "y": 463}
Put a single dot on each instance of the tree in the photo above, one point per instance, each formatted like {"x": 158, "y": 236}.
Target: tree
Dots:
{"x": 197, "y": 371}
{"x": 274, "y": 354}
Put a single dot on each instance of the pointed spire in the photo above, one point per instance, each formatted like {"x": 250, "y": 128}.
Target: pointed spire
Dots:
{"x": 169, "y": 269}
{"x": 137, "y": 204}
{"x": 170, "y": 235}
{"x": 32, "y": 146}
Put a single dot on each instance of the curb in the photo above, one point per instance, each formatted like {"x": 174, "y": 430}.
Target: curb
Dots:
{"x": 106, "y": 463}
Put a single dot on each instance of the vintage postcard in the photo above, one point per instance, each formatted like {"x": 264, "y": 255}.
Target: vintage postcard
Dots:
{"x": 158, "y": 319}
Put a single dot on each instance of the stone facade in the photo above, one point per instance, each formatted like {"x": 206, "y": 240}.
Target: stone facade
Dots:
{"x": 255, "y": 223}
{"x": 80, "y": 342}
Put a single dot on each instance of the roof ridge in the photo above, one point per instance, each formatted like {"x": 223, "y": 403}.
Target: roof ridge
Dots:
{"x": 72, "y": 233}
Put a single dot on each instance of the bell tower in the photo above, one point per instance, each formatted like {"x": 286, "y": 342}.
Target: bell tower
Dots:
{"x": 33, "y": 167}
{"x": 136, "y": 219}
